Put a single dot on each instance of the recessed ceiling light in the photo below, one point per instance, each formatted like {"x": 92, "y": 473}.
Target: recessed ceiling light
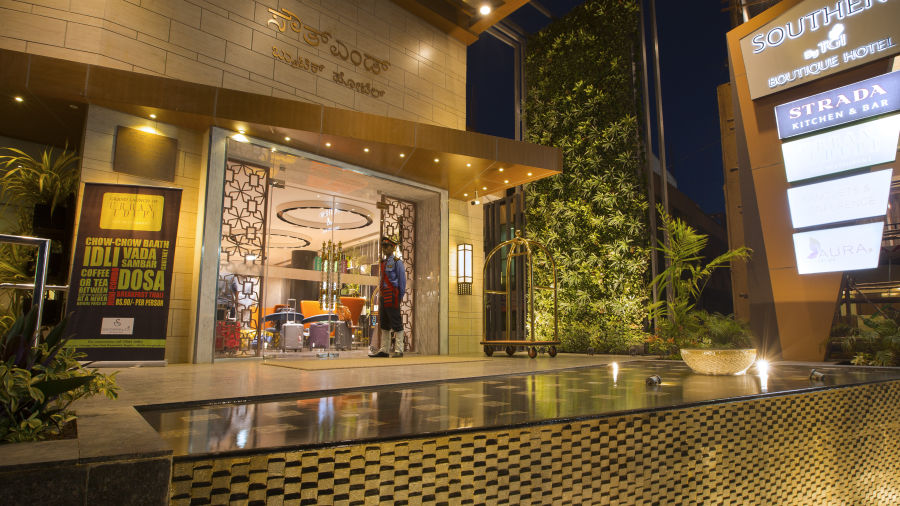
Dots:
{"x": 506, "y": 181}
{"x": 500, "y": 169}
{"x": 287, "y": 139}
{"x": 273, "y": 150}
{"x": 327, "y": 144}
{"x": 366, "y": 150}
{"x": 152, "y": 116}
{"x": 241, "y": 131}
{"x": 18, "y": 99}
{"x": 485, "y": 9}
{"x": 529, "y": 173}
{"x": 402, "y": 155}
{"x": 436, "y": 160}
{"x": 484, "y": 187}
{"x": 468, "y": 165}
{"x": 465, "y": 194}
{"x": 73, "y": 106}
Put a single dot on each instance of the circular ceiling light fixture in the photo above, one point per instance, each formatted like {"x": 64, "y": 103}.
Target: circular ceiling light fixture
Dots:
{"x": 485, "y": 9}
{"x": 287, "y": 239}
{"x": 323, "y": 215}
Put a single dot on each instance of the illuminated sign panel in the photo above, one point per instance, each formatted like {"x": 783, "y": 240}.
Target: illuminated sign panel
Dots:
{"x": 851, "y": 147}
{"x": 817, "y": 38}
{"x": 849, "y": 198}
{"x": 865, "y": 99}
{"x": 838, "y": 249}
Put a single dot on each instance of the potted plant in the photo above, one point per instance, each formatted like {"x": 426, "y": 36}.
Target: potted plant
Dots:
{"x": 39, "y": 382}
{"x": 709, "y": 343}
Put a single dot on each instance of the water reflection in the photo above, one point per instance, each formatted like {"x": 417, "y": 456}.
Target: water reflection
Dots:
{"x": 447, "y": 406}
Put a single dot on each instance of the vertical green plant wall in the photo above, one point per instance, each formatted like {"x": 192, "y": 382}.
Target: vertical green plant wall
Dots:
{"x": 582, "y": 73}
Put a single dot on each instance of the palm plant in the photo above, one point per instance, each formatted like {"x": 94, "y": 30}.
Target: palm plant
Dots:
{"x": 27, "y": 181}
{"x": 685, "y": 278}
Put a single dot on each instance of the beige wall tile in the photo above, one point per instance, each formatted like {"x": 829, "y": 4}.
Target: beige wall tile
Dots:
{"x": 67, "y": 15}
{"x": 223, "y": 66}
{"x": 197, "y": 41}
{"x": 242, "y": 8}
{"x": 418, "y": 107}
{"x": 53, "y": 4}
{"x": 13, "y": 44}
{"x": 222, "y": 27}
{"x": 189, "y": 70}
{"x": 137, "y": 18}
{"x": 179, "y": 10}
{"x": 16, "y": 5}
{"x": 329, "y": 90}
{"x": 89, "y": 7}
{"x": 234, "y": 82}
{"x": 296, "y": 78}
{"x": 240, "y": 56}
{"x": 32, "y": 27}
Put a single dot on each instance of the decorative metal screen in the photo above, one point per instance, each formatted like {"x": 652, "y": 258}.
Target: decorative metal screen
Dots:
{"x": 243, "y": 235}
{"x": 398, "y": 219}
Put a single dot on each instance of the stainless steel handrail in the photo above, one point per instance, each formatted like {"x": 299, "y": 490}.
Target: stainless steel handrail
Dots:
{"x": 30, "y": 286}
{"x": 40, "y": 273}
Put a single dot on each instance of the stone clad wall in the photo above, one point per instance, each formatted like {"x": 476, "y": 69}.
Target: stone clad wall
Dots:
{"x": 466, "y": 312}
{"x": 370, "y": 56}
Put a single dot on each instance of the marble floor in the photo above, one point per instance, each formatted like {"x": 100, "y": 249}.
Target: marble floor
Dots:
{"x": 377, "y": 404}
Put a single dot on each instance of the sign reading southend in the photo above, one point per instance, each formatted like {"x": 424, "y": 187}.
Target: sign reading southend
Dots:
{"x": 838, "y": 249}
{"x": 865, "y": 99}
{"x": 816, "y": 38}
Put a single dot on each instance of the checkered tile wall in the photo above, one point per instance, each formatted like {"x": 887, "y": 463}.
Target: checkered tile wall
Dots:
{"x": 838, "y": 446}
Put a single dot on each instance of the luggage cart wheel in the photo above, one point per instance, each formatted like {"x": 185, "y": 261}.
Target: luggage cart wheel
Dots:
{"x": 532, "y": 352}
{"x": 510, "y": 351}
{"x": 552, "y": 351}
{"x": 488, "y": 350}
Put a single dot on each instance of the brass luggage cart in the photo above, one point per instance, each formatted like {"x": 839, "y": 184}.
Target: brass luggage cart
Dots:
{"x": 520, "y": 247}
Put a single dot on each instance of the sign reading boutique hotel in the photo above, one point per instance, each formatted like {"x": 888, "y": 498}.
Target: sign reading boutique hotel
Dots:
{"x": 817, "y": 38}
{"x": 122, "y": 271}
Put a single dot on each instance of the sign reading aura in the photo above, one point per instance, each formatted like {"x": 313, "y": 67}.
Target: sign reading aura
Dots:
{"x": 122, "y": 271}
{"x": 816, "y": 38}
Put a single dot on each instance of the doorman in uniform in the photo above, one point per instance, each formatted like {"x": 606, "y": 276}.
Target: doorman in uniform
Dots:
{"x": 392, "y": 286}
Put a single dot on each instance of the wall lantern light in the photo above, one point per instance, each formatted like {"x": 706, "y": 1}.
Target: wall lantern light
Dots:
{"x": 464, "y": 269}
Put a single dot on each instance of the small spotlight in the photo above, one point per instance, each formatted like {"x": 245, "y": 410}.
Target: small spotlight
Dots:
{"x": 241, "y": 131}
{"x": 273, "y": 150}
{"x": 327, "y": 144}
{"x": 762, "y": 366}
{"x": 506, "y": 181}
{"x": 18, "y": 99}
{"x": 287, "y": 139}
{"x": 654, "y": 380}
{"x": 366, "y": 150}
{"x": 468, "y": 165}
{"x": 475, "y": 202}
{"x": 529, "y": 173}
{"x": 152, "y": 116}
{"x": 484, "y": 10}
{"x": 436, "y": 160}
{"x": 815, "y": 375}
{"x": 465, "y": 194}
{"x": 484, "y": 187}
{"x": 402, "y": 155}
{"x": 500, "y": 169}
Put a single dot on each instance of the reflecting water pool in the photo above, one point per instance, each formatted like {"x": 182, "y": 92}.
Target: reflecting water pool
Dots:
{"x": 446, "y": 406}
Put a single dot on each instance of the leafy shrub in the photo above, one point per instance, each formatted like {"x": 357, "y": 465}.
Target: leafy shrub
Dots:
{"x": 38, "y": 384}
{"x": 592, "y": 217}
{"x": 876, "y": 345}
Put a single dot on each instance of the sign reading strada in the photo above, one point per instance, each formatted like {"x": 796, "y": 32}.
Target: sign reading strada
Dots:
{"x": 865, "y": 99}
{"x": 817, "y": 38}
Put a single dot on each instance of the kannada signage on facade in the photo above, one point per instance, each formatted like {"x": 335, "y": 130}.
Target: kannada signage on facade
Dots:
{"x": 851, "y": 147}
{"x": 838, "y": 249}
{"x": 865, "y": 99}
{"x": 817, "y": 38}
{"x": 844, "y": 199}
{"x": 122, "y": 271}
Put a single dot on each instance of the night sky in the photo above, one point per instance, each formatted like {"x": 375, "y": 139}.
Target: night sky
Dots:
{"x": 693, "y": 63}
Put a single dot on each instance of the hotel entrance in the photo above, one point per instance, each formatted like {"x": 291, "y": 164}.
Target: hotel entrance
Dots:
{"x": 299, "y": 255}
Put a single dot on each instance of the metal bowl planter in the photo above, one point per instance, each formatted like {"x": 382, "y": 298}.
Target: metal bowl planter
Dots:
{"x": 718, "y": 362}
